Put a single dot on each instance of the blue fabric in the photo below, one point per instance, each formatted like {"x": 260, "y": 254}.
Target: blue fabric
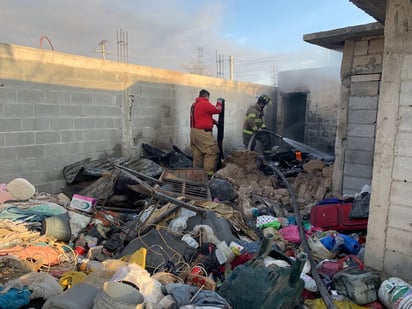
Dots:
{"x": 333, "y": 200}
{"x": 35, "y": 213}
{"x": 14, "y": 298}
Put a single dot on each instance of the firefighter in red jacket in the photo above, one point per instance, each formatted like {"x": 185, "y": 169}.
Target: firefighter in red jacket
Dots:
{"x": 204, "y": 146}
{"x": 254, "y": 122}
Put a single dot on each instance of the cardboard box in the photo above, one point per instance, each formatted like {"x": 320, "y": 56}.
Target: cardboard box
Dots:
{"x": 83, "y": 203}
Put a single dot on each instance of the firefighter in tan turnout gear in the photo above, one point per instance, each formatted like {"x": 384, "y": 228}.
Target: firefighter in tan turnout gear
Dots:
{"x": 254, "y": 122}
{"x": 204, "y": 146}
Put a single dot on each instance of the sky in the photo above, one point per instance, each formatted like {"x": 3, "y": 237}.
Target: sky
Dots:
{"x": 262, "y": 37}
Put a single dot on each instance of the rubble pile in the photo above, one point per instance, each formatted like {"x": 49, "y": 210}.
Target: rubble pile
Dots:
{"x": 243, "y": 171}
{"x": 141, "y": 234}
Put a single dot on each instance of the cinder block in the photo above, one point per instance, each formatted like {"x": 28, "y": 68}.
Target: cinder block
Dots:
{"x": 8, "y": 95}
{"x": 364, "y": 89}
{"x": 19, "y": 138}
{"x": 400, "y": 227}
{"x": 29, "y": 152}
{"x": 354, "y": 184}
{"x": 71, "y": 110}
{"x": 400, "y": 190}
{"x": 33, "y": 96}
{"x": 105, "y": 98}
{"x": 81, "y": 98}
{"x": 361, "y": 47}
{"x": 84, "y": 123}
{"x": 50, "y": 110}
{"x": 93, "y": 135}
{"x": 18, "y": 110}
{"x": 361, "y": 130}
{"x": 48, "y": 137}
{"x": 367, "y": 61}
{"x": 365, "y": 78}
{"x": 35, "y": 124}
{"x": 68, "y": 136}
{"x": 61, "y": 124}
{"x": 113, "y": 134}
{"x": 402, "y": 169}
{"x": 376, "y": 46}
{"x": 360, "y": 143}
{"x": 57, "y": 97}
{"x": 358, "y": 170}
{"x": 361, "y": 117}
{"x": 56, "y": 149}
{"x": 363, "y": 102}
{"x": 7, "y": 153}
{"x": 93, "y": 111}
{"x": 359, "y": 157}
{"x": 397, "y": 262}
{"x": 105, "y": 123}
{"x": 10, "y": 125}
{"x": 403, "y": 144}
{"x": 114, "y": 111}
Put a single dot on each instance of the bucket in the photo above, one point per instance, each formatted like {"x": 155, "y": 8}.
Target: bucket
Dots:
{"x": 57, "y": 227}
{"x": 395, "y": 293}
{"x": 118, "y": 295}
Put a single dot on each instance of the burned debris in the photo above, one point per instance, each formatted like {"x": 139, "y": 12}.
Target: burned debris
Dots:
{"x": 152, "y": 232}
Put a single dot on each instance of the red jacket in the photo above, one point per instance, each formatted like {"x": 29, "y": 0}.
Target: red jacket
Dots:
{"x": 201, "y": 113}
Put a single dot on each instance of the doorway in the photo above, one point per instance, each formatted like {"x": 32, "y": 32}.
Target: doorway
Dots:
{"x": 294, "y": 105}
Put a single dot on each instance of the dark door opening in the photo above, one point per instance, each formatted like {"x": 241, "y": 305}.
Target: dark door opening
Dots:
{"x": 294, "y": 105}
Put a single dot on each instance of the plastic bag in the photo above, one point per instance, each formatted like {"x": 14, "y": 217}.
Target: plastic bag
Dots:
{"x": 360, "y": 207}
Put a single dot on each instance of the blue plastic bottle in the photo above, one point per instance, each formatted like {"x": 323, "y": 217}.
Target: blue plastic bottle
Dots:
{"x": 350, "y": 245}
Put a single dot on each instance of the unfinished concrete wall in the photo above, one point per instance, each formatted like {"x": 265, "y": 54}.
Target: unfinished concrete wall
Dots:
{"x": 322, "y": 89}
{"x": 355, "y": 136}
{"x": 57, "y": 109}
{"x": 389, "y": 241}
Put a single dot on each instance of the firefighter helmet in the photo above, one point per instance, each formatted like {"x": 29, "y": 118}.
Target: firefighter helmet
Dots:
{"x": 264, "y": 99}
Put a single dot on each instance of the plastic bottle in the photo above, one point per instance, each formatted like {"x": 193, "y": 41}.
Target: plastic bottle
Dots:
{"x": 332, "y": 242}
{"x": 350, "y": 245}
{"x": 310, "y": 283}
{"x": 190, "y": 241}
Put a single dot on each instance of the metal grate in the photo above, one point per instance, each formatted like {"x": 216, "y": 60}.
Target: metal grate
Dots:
{"x": 190, "y": 183}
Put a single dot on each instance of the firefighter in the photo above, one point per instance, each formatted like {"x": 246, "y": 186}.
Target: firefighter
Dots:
{"x": 253, "y": 124}
{"x": 204, "y": 146}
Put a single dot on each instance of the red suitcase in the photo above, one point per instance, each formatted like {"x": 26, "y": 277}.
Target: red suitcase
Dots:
{"x": 336, "y": 217}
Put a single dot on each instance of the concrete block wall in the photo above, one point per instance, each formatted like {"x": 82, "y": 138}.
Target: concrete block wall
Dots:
{"x": 361, "y": 76}
{"x": 57, "y": 109}
{"x": 322, "y": 86}
{"x": 389, "y": 241}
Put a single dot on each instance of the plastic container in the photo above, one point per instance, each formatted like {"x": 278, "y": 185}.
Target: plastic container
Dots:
{"x": 190, "y": 241}
{"x": 395, "y": 293}
{"x": 224, "y": 248}
{"x": 118, "y": 295}
{"x": 350, "y": 245}
{"x": 332, "y": 242}
{"x": 57, "y": 227}
{"x": 310, "y": 283}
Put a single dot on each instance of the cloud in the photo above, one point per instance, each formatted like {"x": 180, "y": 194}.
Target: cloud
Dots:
{"x": 170, "y": 34}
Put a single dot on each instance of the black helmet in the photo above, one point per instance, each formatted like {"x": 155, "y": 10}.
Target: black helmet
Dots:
{"x": 264, "y": 99}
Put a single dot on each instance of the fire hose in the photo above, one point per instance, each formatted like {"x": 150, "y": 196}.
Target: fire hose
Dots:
{"x": 315, "y": 274}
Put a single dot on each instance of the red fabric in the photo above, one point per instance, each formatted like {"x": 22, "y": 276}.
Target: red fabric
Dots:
{"x": 202, "y": 111}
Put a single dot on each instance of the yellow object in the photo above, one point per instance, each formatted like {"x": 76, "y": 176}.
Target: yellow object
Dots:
{"x": 340, "y": 304}
{"x": 71, "y": 278}
{"x": 138, "y": 257}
